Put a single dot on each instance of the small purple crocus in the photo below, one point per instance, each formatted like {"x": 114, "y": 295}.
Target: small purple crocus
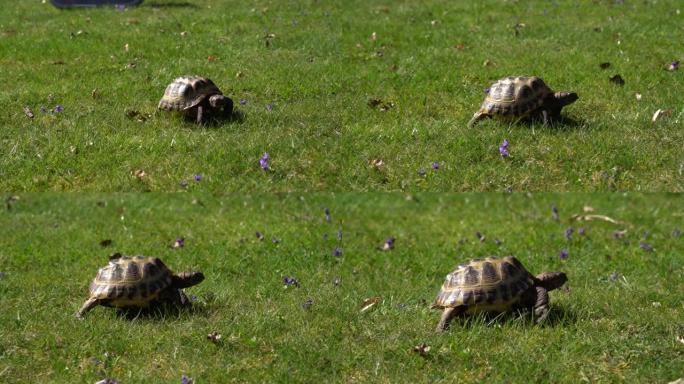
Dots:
{"x": 646, "y": 246}
{"x": 120, "y": 7}
{"x": 197, "y": 177}
{"x": 339, "y": 234}
{"x": 676, "y": 233}
{"x": 337, "y": 252}
{"x": 613, "y": 276}
{"x": 327, "y": 214}
{"x": 186, "y": 380}
{"x": 43, "y": 109}
{"x": 243, "y": 102}
{"x": 3, "y": 275}
{"x": 259, "y": 235}
{"x": 290, "y": 281}
{"x": 582, "y": 231}
{"x": 674, "y": 65}
{"x": 435, "y": 165}
{"x": 58, "y": 109}
{"x": 422, "y": 172}
{"x": 389, "y": 244}
{"x": 564, "y": 254}
{"x": 183, "y": 184}
{"x": 568, "y": 233}
{"x": 179, "y": 243}
{"x": 554, "y": 212}
{"x": 263, "y": 161}
{"x": 269, "y": 107}
{"x": 503, "y": 149}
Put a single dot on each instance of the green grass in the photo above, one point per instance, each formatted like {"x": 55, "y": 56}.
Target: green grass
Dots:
{"x": 320, "y": 70}
{"x": 601, "y": 330}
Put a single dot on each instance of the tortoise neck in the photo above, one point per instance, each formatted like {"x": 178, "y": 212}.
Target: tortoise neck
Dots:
{"x": 187, "y": 279}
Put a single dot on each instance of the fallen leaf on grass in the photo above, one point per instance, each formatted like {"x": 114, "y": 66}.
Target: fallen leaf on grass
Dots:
{"x": 95, "y": 93}
{"x": 459, "y": 46}
{"x": 214, "y": 337}
{"x": 619, "y": 234}
{"x": 577, "y": 217}
{"x": 139, "y": 174}
{"x": 137, "y": 116}
{"x": 211, "y": 58}
{"x": 674, "y": 65}
{"x": 377, "y": 163}
{"x": 617, "y": 79}
{"x": 638, "y": 96}
{"x": 369, "y": 303}
{"x": 422, "y": 349}
{"x": 661, "y": 113}
{"x": 179, "y": 243}
{"x": 28, "y": 112}
{"x": 380, "y": 104}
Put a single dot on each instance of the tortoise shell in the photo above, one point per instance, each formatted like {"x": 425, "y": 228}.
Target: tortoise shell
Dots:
{"x": 131, "y": 281}
{"x": 485, "y": 285}
{"x": 515, "y": 96}
{"x": 187, "y": 92}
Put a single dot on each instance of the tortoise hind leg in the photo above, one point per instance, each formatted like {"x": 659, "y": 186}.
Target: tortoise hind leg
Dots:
{"x": 87, "y": 306}
{"x": 200, "y": 114}
{"x": 477, "y": 117}
{"x": 447, "y": 316}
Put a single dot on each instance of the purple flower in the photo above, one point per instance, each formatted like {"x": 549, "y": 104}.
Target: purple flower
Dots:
{"x": 307, "y": 304}
{"x": 674, "y": 65}
{"x": 435, "y": 165}
{"x": 3, "y": 275}
{"x": 290, "y": 281}
{"x": 259, "y": 236}
{"x": 269, "y": 107}
{"x": 243, "y": 102}
{"x": 197, "y": 178}
{"x": 263, "y": 161}
{"x": 327, "y": 214}
{"x": 389, "y": 244}
{"x": 645, "y": 246}
{"x": 503, "y": 148}
{"x": 179, "y": 243}
{"x": 676, "y": 233}
{"x": 43, "y": 109}
{"x": 582, "y": 231}
{"x": 422, "y": 172}
{"x": 183, "y": 184}
{"x": 568, "y": 233}
{"x": 564, "y": 254}
{"x": 480, "y": 236}
{"x": 554, "y": 212}
{"x": 339, "y": 234}
{"x": 613, "y": 276}
{"x": 120, "y": 7}
{"x": 337, "y": 252}
{"x": 186, "y": 380}
{"x": 58, "y": 109}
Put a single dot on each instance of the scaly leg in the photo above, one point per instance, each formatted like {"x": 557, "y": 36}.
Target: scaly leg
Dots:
{"x": 477, "y": 117}
{"x": 545, "y": 116}
{"x": 541, "y": 305}
{"x": 87, "y": 306}
{"x": 447, "y": 316}
{"x": 200, "y": 113}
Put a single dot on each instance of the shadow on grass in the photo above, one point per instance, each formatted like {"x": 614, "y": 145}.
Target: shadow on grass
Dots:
{"x": 560, "y": 125}
{"x": 237, "y": 117}
{"x": 170, "y": 4}
{"x": 162, "y": 312}
{"x": 558, "y": 316}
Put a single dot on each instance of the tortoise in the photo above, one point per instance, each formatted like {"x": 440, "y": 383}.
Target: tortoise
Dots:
{"x": 198, "y": 98}
{"x": 495, "y": 285}
{"x": 519, "y": 97}
{"x": 138, "y": 282}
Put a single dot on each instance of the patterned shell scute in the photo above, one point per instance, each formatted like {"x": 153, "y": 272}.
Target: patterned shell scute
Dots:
{"x": 493, "y": 283}
{"x": 515, "y": 96}
{"x": 131, "y": 281}
{"x": 186, "y": 92}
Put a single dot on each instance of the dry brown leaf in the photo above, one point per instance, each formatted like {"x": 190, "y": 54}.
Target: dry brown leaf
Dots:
{"x": 659, "y": 114}
{"x": 422, "y": 349}
{"x": 594, "y": 217}
{"x": 28, "y": 112}
{"x": 369, "y": 303}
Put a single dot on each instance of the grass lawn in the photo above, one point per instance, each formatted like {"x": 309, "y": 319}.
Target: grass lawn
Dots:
{"x": 619, "y": 320}
{"x": 316, "y": 65}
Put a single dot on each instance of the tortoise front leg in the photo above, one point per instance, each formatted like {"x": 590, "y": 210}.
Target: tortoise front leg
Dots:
{"x": 541, "y": 305}
{"x": 545, "y": 116}
{"x": 200, "y": 113}
{"x": 477, "y": 117}
{"x": 87, "y": 306}
{"x": 447, "y": 316}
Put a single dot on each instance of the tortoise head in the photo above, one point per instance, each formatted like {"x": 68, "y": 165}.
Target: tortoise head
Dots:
{"x": 565, "y": 98}
{"x": 187, "y": 279}
{"x": 552, "y": 280}
{"x": 220, "y": 101}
